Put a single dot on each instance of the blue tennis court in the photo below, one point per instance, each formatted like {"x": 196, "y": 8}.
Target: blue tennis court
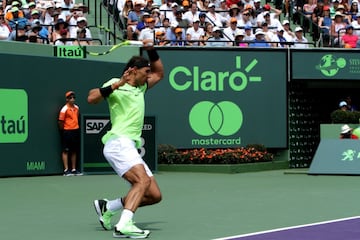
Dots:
{"x": 344, "y": 229}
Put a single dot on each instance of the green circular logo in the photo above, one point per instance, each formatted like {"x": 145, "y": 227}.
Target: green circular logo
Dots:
{"x": 329, "y": 65}
{"x": 207, "y": 118}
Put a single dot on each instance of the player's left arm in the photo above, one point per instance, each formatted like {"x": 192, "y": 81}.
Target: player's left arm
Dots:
{"x": 156, "y": 65}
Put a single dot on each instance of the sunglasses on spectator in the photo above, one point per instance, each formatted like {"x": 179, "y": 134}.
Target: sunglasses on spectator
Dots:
{"x": 71, "y": 97}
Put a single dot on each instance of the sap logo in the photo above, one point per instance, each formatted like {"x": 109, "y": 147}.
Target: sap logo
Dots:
{"x": 95, "y": 126}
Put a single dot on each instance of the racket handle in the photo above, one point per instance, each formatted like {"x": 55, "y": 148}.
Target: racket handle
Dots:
{"x": 139, "y": 43}
{"x": 136, "y": 43}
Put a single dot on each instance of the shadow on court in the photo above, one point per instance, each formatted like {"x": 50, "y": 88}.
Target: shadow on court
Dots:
{"x": 194, "y": 206}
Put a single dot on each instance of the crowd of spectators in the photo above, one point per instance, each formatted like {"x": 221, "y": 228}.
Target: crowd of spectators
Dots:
{"x": 239, "y": 23}
{"x": 58, "y": 22}
{"x": 242, "y": 23}
{"x": 335, "y": 22}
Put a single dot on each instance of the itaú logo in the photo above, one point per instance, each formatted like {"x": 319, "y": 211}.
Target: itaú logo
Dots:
{"x": 208, "y": 118}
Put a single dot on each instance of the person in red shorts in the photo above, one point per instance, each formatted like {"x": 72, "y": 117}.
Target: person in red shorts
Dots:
{"x": 70, "y": 133}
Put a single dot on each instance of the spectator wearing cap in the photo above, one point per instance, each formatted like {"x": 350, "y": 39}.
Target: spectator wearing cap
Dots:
{"x": 279, "y": 40}
{"x": 160, "y": 38}
{"x": 354, "y": 9}
{"x": 33, "y": 33}
{"x": 272, "y": 23}
{"x": 183, "y": 23}
{"x": 192, "y": 14}
{"x": 333, "y": 7}
{"x": 172, "y": 14}
{"x": 69, "y": 125}
{"x": 81, "y": 23}
{"x": 345, "y": 4}
{"x": 299, "y": 40}
{"x": 16, "y": 20}
{"x": 344, "y": 10}
{"x": 356, "y": 25}
{"x": 347, "y": 132}
{"x": 81, "y": 39}
{"x": 76, "y": 12}
{"x": 194, "y": 33}
{"x": 245, "y": 19}
{"x": 269, "y": 35}
{"x": 149, "y": 31}
{"x": 44, "y": 31}
{"x": 231, "y": 31}
{"x": 134, "y": 18}
{"x": 155, "y": 14}
{"x": 59, "y": 30}
{"x": 239, "y": 39}
{"x": 173, "y": 33}
{"x": 273, "y": 15}
{"x": 258, "y": 9}
{"x": 165, "y": 9}
{"x": 259, "y": 41}
{"x": 142, "y": 24}
{"x": 66, "y": 7}
{"x": 349, "y": 39}
{"x": 180, "y": 38}
{"x": 217, "y": 40}
{"x": 215, "y": 18}
{"x": 35, "y": 15}
{"x": 249, "y": 36}
{"x": 337, "y": 30}
{"x": 324, "y": 24}
{"x": 9, "y": 8}
{"x": 4, "y": 28}
{"x": 235, "y": 12}
{"x": 185, "y": 6}
{"x": 46, "y": 16}
{"x": 30, "y": 7}
{"x": 288, "y": 34}
{"x": 14, "y": 12}
{"x": 203, "y": 20}
{"x": 343, "y": 106}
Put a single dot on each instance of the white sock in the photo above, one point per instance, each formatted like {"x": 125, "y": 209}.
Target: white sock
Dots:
{"x": 126, "y": 216}
{"x": 114, "y": 205}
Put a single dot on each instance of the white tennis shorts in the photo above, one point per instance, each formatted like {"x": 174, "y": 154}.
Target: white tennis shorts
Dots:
{"x": 122, "y": 155}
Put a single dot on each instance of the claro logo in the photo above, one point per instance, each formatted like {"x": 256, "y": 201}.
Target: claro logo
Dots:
{"x": 215, "y": 123}
{"x": 13, "y": 116}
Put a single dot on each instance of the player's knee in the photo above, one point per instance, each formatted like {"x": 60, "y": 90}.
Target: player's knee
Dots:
{"x": 145, "y": 182}
{"x": 157, "y": 197}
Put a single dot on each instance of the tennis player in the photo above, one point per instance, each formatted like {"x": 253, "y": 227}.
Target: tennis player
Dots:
{"x": 125, "y": 97}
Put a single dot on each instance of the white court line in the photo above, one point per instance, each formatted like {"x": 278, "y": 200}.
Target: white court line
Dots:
{"x": 287, "y": 228}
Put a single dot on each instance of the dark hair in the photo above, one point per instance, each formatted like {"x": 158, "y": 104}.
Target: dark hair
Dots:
{"x": 137, "y": 61}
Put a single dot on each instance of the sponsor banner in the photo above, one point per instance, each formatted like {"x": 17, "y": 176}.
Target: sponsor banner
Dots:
{"x": 314, "y": 65}
{"x": 13, "y": 116}
{"x": 70, "y": 51}
{"x": 221, "y": 99}
{"x": 95, "y": 127}
{"x": 337, "y": 156}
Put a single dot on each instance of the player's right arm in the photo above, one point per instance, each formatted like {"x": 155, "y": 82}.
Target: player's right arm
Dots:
{"x": 96, "y": 95}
